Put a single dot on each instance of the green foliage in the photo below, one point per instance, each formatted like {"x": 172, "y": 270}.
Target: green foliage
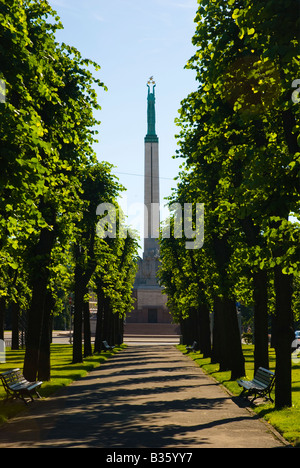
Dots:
{"x": 51, "y": 182}
{"x": 238, "y": 137}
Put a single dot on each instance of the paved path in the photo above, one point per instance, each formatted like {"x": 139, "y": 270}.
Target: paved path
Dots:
{"x": 144, "y": 397}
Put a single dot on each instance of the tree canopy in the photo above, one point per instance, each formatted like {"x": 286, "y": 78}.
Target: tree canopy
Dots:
{"x": 239, "y": 137}
{"x": 51, "y": 180}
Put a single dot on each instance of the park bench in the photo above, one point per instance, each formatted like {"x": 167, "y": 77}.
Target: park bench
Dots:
{"x": 107, "y": 346}
{"x": 191, "y": 348}
{"x": 261, "y": 385}
{"x": 16, "y": 386}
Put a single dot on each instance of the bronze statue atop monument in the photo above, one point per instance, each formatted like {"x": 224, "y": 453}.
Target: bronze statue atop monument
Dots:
{"x": 151, "y": 120}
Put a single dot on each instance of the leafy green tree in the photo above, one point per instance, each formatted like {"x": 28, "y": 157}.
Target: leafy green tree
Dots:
{"x": 239, "y": 139}
{"x": 46, "y": 140}
{"x": 113, "y": 282}
{"x": 181, "y": 273}
{"x": 277, "y": 170}
{"x": 21, "y": 136}
{"x": 51, "y": 182}
{"x": 98, "y": 186}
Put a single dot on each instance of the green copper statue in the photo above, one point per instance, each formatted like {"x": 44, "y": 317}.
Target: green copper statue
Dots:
{"x": 151, "y": 133}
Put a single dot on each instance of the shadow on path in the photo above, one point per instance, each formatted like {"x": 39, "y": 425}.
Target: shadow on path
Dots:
{"x": 144, "y": 397}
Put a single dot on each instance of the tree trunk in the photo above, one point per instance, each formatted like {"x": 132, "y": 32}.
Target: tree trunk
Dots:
{"x": 87, "y": 330}
{"x": 99, "y": 324}
{"x": 78, "y": 311}
{"x": 35, "y": 322}
{"x": 237, "y": 360}
{"x": 231, "y": 353}
{"x": 114, "y": 336}
{"x": 2, "y": 316}
{"x": 39, "y": 284}
{"x": 184, "y": 331}
{"x": 44, "y": 365}
{"x": 106, "y": 321}
{"x": 187, "y": 331}
{"x": 261, "y": 341}
{"x": 120, "y": 331}
{"x": 227, "y": 347}
{"x": 218, "y": 342}
{"x": 194, "y": 327}
{"x": 204, "y": 331}
{"x": 82, "y": 278}
{"x": 260, "y": 297}
{"x": 15, "y": 311}
{"x": 284, "y": 336}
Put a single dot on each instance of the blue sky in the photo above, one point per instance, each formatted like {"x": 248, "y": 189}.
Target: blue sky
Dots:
{"x": 132, "y": 40}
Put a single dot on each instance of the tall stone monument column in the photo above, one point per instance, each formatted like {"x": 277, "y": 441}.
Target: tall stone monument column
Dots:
{"x": 151, "y": 315}
{"x": 151, "y": 197}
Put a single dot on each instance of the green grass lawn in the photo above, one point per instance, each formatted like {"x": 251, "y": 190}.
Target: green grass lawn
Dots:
{"x": 286, "y": 421}
{"x": 63, "y": 372}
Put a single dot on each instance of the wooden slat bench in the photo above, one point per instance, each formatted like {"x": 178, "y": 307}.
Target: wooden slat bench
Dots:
{"x": 16, "y": 386}
{"x": 260, "y": 386}
{"x": 191, "y": 348}
{"x": 107, "y": 346}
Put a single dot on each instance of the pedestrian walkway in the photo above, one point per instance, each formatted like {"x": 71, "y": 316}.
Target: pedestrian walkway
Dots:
{"x": 143, "y": 397}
